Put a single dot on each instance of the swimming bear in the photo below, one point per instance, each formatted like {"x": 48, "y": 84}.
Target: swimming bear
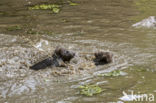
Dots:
{"x": 102, "y": 58}
{"x": 58, "y": 59}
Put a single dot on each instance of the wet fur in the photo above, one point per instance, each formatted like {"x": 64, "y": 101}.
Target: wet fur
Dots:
{"x": 102, "y": 58}
{"x": 59, "y": 58}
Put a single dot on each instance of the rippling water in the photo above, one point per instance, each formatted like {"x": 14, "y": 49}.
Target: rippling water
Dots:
{"x": 87, "y": 28}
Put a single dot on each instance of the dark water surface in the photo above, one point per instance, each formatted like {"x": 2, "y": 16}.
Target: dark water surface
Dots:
{"x": 91, "y": 26}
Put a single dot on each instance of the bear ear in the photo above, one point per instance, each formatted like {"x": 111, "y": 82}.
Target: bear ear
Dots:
{"x": 98, "y": 54}
{"x": 95, "y": 54}
{"x": 58, "y": 50}
{"x": 109, "y": 57}
{"x": 74, "y": 54}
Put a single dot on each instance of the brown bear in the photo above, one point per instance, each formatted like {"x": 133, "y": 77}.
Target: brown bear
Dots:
{"x": 58, "y": 59}
{"x": 102, "y": 58}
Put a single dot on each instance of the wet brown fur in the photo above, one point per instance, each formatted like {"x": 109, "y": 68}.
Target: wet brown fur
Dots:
{"x": 103, "y": 58}
{"x": 58, "y": 59}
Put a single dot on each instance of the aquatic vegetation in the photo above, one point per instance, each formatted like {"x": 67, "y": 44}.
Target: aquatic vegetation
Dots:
{"x": 54, "y": 7}
{"x": 64, "y": 20}
{"x": 112, "y": 74}
{"x": 90, "y": 90}
{"x": 139, "y": 68}
{"x": 48, "y": 32}
{"x": 32, "y": 31}
{"x": 13, "y": 28}
{"x": 56, "y": 10}
{"x": 1, "y": 13}
{"x": 72, "y": 3}
{"x": 46, "y": 80}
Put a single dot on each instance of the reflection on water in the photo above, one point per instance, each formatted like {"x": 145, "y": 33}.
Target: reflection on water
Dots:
{"x": 86, "y": 28}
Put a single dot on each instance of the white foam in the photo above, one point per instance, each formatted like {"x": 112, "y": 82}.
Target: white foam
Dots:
{"x": 149, "y": 22}
{"x": 41, "y": 45}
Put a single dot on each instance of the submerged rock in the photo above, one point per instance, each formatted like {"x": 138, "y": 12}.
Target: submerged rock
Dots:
{"x": 149, "y": 22}
{"x": 103, "y": 58}
{"x": 58, "y": 59}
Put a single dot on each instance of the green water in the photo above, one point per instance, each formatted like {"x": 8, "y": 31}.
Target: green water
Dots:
{"x": 86, "y": 28}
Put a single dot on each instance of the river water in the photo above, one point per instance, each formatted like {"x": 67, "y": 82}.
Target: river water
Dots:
{"x": 91, "y": 26}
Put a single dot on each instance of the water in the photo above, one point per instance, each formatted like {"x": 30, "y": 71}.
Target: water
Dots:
{"x": 87, "y": 28}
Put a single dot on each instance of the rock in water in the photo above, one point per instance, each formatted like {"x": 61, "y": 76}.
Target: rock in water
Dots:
{"x": 58, "y": 59}
{"x": 149, "y": 22}
{"x": 103, "y": 58}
